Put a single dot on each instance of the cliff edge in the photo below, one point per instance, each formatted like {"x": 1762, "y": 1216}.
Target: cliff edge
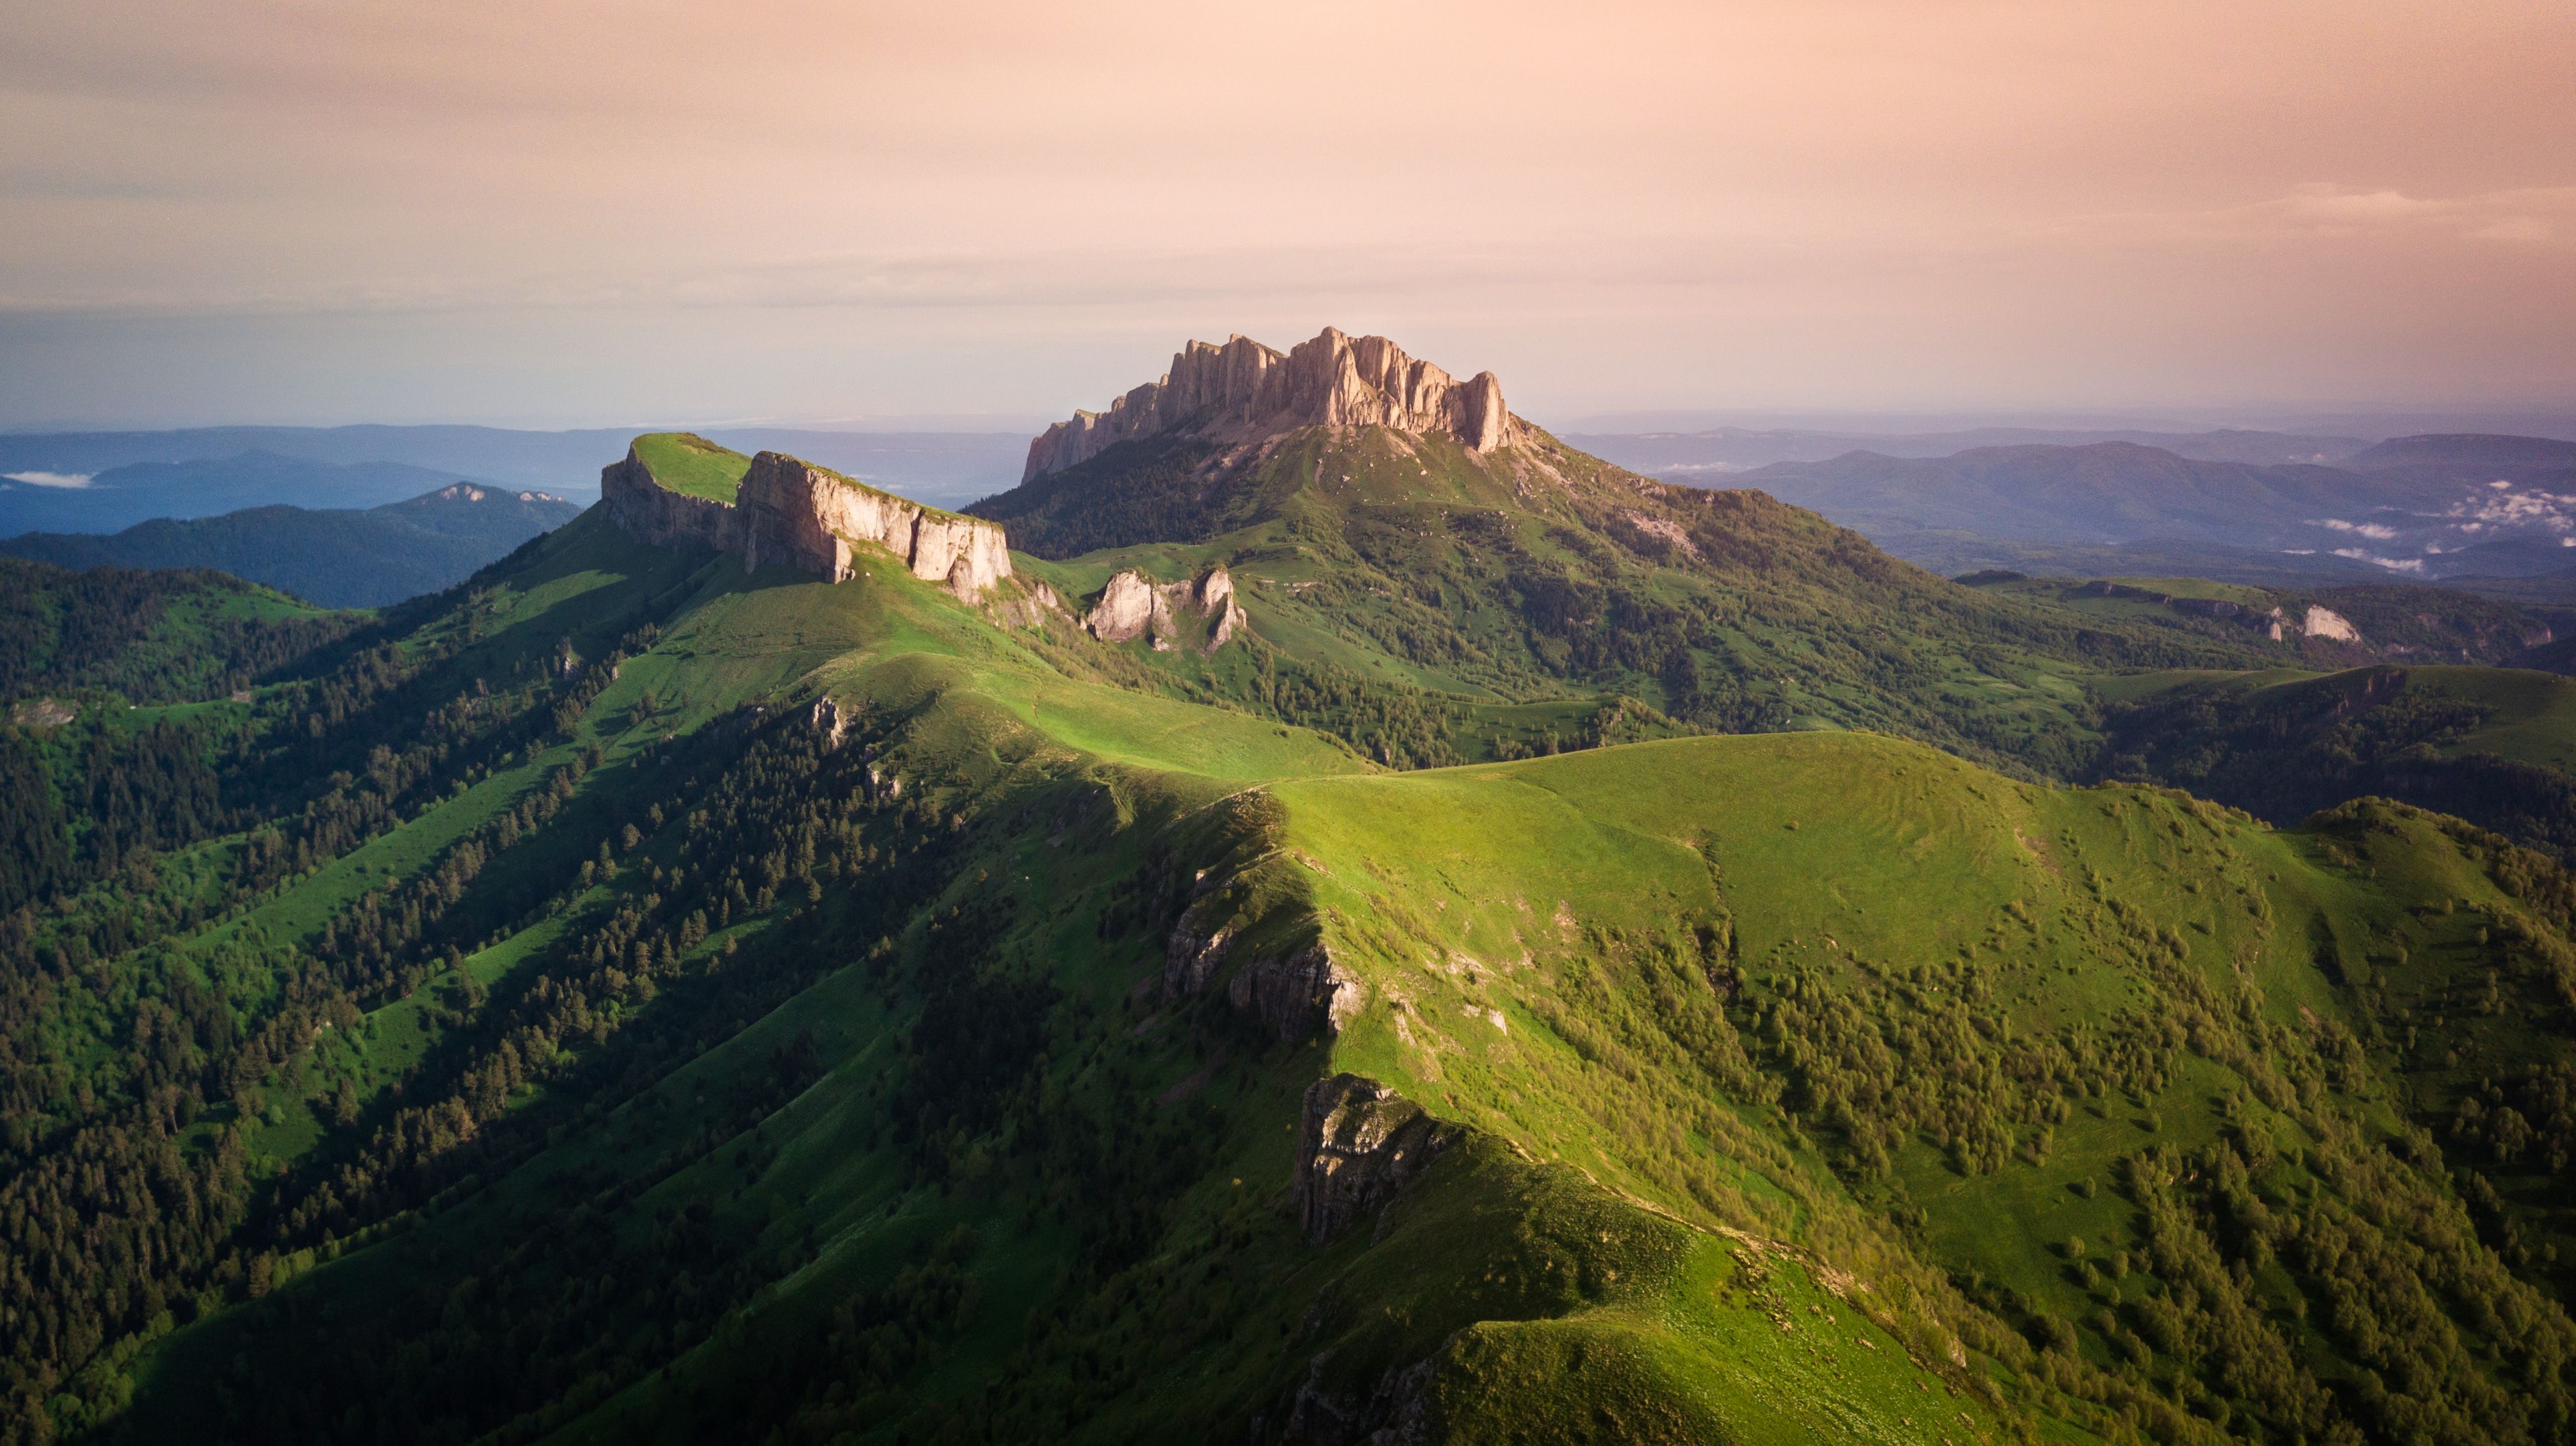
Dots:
{"x": 790, "y": 512}
{"x": 1244, "y": 390}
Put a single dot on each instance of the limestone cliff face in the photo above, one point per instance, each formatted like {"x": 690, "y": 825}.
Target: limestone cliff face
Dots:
{"x": 2327, "y": 623}
{"x": 1243, "y": 390}
{"x": 789, "y": 512}
{"x": 1133, "y": 606}
{"x": 652, "y": 513}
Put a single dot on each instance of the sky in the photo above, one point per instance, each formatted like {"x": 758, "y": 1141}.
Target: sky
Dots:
{"x": 564, "y": 214}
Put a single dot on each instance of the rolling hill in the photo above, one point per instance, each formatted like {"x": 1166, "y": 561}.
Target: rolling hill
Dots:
{"x": 654, "y": 993}
{"x": 2493, "y": 745}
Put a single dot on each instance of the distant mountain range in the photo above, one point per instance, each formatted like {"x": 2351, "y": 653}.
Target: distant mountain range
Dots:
{"x": 2418, "y": 507}
{"x": 46, "y": 500}
{"x": 935, "y": 466}
{"x": 339, "y": 557}
{"x": 2278, "y": 508}
{"x": 1742, "y": 449}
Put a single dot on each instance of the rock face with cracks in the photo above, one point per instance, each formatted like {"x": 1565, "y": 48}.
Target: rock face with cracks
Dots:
{"x": 1133, "y": 606}
{"x": 806, "y": 517}
{"x": 1357, "y": 1144}
{"x": 1244, "y": 390}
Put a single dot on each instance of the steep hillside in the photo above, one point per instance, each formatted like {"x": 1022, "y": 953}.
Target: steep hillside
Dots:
{"x": 653, "y": 999}
{"x": 335, "y": 557}
{"x": 681, "y": 490}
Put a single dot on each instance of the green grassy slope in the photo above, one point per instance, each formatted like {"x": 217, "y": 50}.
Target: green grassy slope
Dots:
{"x": 645, "y": 1051}
{"x": 690, "y": 464}
{"x": 2004, "y": 1020}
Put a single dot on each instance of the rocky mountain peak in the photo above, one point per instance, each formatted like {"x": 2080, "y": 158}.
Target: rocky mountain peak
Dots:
{"x": 789, "y": 511}
{"x": 1243, "y": 390}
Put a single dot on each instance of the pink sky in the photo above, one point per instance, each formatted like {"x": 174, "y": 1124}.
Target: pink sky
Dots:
{"x": 561, "y": 214}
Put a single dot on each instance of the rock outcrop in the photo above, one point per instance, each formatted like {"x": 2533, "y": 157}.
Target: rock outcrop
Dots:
{"x": 831, "y": 722}
{"x": 1399, "y": 1412}
{"x": 44, "y": 715}
{"x": 1244, "y": 390}
{"x": 1298, "y": 995}
{"x": 808, "y": 518}
{"x": 1133, "y": 606}
{"x": 2327, "y": 623}
{"x": 1357, "y": 1144}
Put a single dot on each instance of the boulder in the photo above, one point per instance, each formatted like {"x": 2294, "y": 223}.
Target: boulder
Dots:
{"x": 831, "y": 722}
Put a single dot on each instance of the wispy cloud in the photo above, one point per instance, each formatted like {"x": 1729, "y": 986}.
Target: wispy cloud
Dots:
{"x": 2325, "y": 210}
{"x": 2520, "y": 216}
{"x": 2393, "y": 564}
{"x": 51, "y": 479}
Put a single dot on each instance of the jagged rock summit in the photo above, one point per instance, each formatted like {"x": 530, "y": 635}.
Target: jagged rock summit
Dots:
{"x": 1244, "y": 390}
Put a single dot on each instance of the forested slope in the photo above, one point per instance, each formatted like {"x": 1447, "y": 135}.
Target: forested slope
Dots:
{"x": 2496, "y": 746}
